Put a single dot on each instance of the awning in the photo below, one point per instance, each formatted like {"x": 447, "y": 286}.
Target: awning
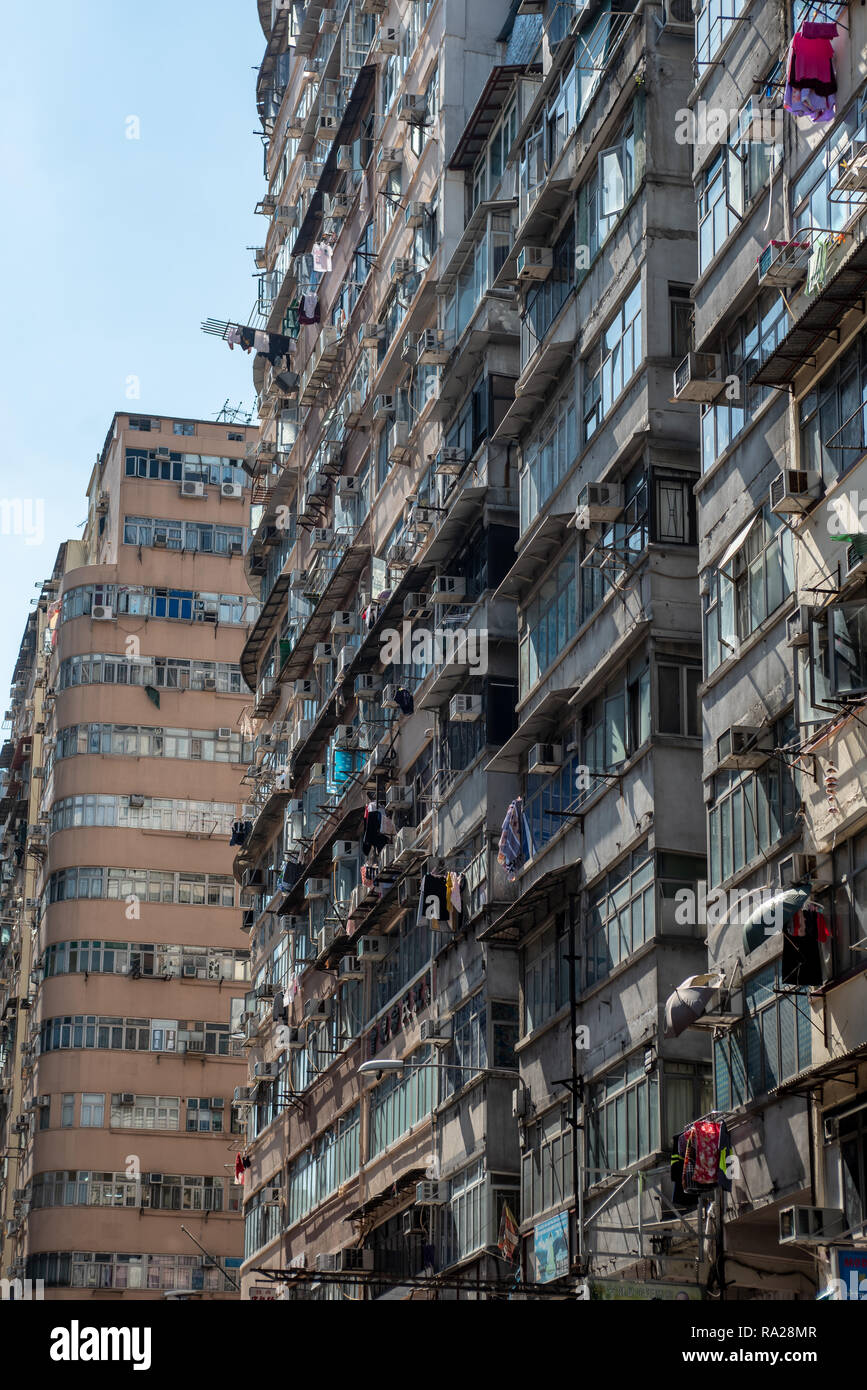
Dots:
{"x": 524, "y": 913}
{"x": 734, "y": 546}
{"x": 537, "y": 551}
{"x": 535, "y": 727}
{"x": 486, "y": 111}
{"x": 811, "y": 1078}
{"x": 263, "y": 629}
{"x": 819, "y": 321}
{"x": 394, "y": 1192}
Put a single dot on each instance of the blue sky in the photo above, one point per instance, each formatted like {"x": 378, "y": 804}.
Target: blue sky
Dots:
{"x": 113, "y": 249}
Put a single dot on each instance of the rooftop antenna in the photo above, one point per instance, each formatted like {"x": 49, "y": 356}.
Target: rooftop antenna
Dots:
{"x": 233, "y": 414}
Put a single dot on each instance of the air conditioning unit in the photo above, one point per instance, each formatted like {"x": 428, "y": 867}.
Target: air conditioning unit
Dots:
{"x": 544, "y": 757}
{"x": 346, "y": 737}
{"x": 344, "y": 851}
{"x": 795, "y": 490}
{"x": 318, "y": 774}
{"x": 389, "y": 700}
{"x": 404, "y": 842}
{"x": 191, "y": 489}
{"x": 412, "y": 108}
{"x": 399, "y": 555}
{"x": 294, "y": 1039}
{"x": 436, "y": 1034}
{"x": 402, "y": 266}
{"x": 798, "y": 627}
{"x": 450, "y": 462}
{"x": 699, "y": 377}
{"x": 286, "y": 214}
{"x": 738, "y": 748}
{"x": 409, "y": 889}
{"x": 317, "y": 1010}
{"x": 317, "y": 888}
{"x": 235, "y": 490}
{"x": 795, "y": 868}
{"x": 327, "y": 1264}
{"x": 323, "y": 653}
{"x": 321, "y": 538}
{"x": 335, "y": 205}
{"x": 304, "y": 690}
{"x": 465, "y": 709}
{"x": 399, "y": 798}
{"x": 325, "y": 939}
{"x": 856, "y": 558}
{"x": 416, "y": 605}
{"x": 811, "y": 1225}
{"x": 383, "y": 408}
{"x": 101, "y": 613}
{"x": 349, "y": 968}
{"x": 371, "y": 334}
{"x": 349, "y": 487}
{"x": 311, "y": 173}
{"x": 431, "y": 1194}
{"x": 343, "y": 620}
{"x": 389, "y": 159}
{"x": 265, "y": 1071}
{"x": 783, "y": 263}
{"x": 327, "y": 126}
{"x": 160, "y": 540}
{"x": 449, "y": 588}
{"x": 367, "y": 685}
{"x": 387, "y": 39}
{"x": 271, "y": 1196}
{"x": 598, "y": 502}
{"x": 535, "y": 262}
{"x": 371, "y": 947}
{"x": 102, "y": 503}
{"x": 520, "y": 1102}
{"x": 416, "y": 213}
{"x": 432, "y": 350}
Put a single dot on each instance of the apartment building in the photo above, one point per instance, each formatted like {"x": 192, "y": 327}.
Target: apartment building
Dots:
{"x": 124, "y": 950}
{"x": 476, "y": 559}
{"x": 778, "y": 376}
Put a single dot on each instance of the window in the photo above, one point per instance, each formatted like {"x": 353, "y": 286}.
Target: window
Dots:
{"x": 130, "y": 740}
{"x": 92, "y": 1114}
{"x": 545, "y": 976}
{"x": 773, "y": 1044}
{"x": 67, "y": 1111}
{"x": 812, "y": 204}
{"x": 183, "y": 427}
{"x": 621, "y": 915}
{"x": 833, "y": 416}
{"x": 145, "y": 1112}
{"x": 604, "y": 196}
{"x": 144, "y": 425}
{"x": 622, "y": 1118}
{"x": 752, "y": 339}
{"x": 150, "y": 885}
{"x": 169, "y": 673}
{"x": 546, "y": 1164}
{"x": 687, "y": 1091}
{"x": 680, "y": 312}
{"x": 617, "y": 722}
{"x": 548, "y": 457}
{"x": 720, "y": 204}
{"x": 546, "y": 297}
{"x": 205, "y": 1115}
{"x": 852, "y": 1134}
{"x": 45, "y": 1115}
{"x": 620, "y": 543}
{"x": 751, "y": 811}
{"x": 673, "y": 521}
{"x": 324, "y": 1166}
{"x": 86, "y": 1270}
{"x": 610, "y": 366}
{"x": 548, "y": 623}
{"x": 469, "y": 1046}
{"x": 679, "y": 706}
{"x": 713, "y": 24}
{"x": 263, "y": 1221}
{"x": 401, "y": 1100}
{"x": 468, "y": 1220}
{"x": 491, "y": 163}
{"x": 752, "y": 585}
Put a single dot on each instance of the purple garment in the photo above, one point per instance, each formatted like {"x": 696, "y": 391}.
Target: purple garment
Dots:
{"x": 800, "y": 101}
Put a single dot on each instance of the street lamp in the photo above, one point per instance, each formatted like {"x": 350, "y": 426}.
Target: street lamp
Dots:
{"x": 376, "y": 1068}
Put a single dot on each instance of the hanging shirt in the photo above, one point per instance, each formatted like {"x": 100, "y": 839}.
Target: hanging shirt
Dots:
{"x": 233, "y": 335}
{"x": 309, "y": 309}
{"x": 404, "y": 699}
{"x": 432, "y": 901}
{"x": 322, "y": 256}
{"x": 510, "y": 851}
{"x": 261, "y": 341}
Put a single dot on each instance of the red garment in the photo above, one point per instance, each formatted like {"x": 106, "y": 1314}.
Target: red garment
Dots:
{"x": 239, "y": 1169}
{"x": 702, "y": 1150}
{"x": 811, "y": 64}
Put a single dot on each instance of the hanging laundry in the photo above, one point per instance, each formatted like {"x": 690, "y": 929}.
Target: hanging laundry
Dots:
{"x": 240, "y": 830}
{"x": 803, "y": 938}
{"x": 679, "y": 1196}
{"x": 279, "y": 346}
{"x": 811, "y": 81}
{"x": 261, "y": 341}
{"x": 513, "y": 837}
{"x": 405, "y": 701}
{"x": 240, "y": 1167}
{"x": 246, "y": 338}
{"x": 432, "y": 900}
{"x": 373, "y": 838}
{"x": 233, "y": 336}
{"x": 308, "y": 311}
{"x": 279, "y": 1011}
{"x": 705, "y": 1150}
{"x": 509, "y": 1237}
{"x": 322, "y": 256}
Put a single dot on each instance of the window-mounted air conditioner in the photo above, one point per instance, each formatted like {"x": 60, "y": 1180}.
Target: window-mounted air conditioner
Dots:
{"x": 783, "y": 263}
{"x": 798, "y": 627}
{"x": 742, "y": 747}
{"x": 598, "y": 502}
{"x": 535, "y": 262}
{"x": 699, "y": 377}
{"x": 811, "y": 1225}
{"x": 311, "y": 173}
{"x": 399, "y": 555}
{"x": 544, "y": 757}
{"x": 431, "y": 1194}
{"x": 318, "y": 774}
{"x": 402, "y": 266}
{"x": 399, "y": 798}
{"x": 371, "y": 947}
{"x": 367, "y": 685}
{"x": 432, "y": 350}
{"x": 270, "y": 1196}
{"x": 383, "y": 408}
{"x": 416, "y": 213}
{"x": 315, "y": 888}
{"x": 349, "y": 968}
{"x": 520, "y": 1102}
{"x": 344, "y": 851}
{"x": 449, "y": 588}
{"x": 371, "y": 334}
{"x": 465, "y": 709}
{"x": 323, "y": 653}
{"x": 398, "y": 441}
{"x": 160, "y": 540}
{"x": 346, "y": 737}
{"x": 412, "y": 108}
{"x": 286, "y": 214}
{"x": 349, "y": 487}
{"x": 450, "y": 462}
{"x": 325, "y": 939}
{"x": 317, "y": 1010}
{"x": 416, "y": 605}
{"x": 191, "y": 489}
{"x": 389, "y": 158}
{"x": 794, "y": 491}
{"x": 265, "y": 1071}
{"x": 387, "y": 39}
{"x": 342, "y": 620}
{"x": 389, "y": 694}
{"x": 409, "y": 350}
{"x": 795, "y": 868}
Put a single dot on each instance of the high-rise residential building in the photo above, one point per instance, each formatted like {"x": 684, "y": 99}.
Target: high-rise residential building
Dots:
{"x": 122, "y": 942}
{"x": 476, "y": 787}
{"x": 778, "y": 372}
